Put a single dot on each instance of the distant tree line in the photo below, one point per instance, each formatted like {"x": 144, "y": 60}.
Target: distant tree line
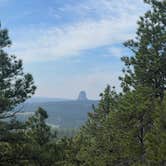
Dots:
{"x": 125, "y": 129}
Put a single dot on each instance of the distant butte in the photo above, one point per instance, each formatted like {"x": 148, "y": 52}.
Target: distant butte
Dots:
{"x": 82, "y": 96}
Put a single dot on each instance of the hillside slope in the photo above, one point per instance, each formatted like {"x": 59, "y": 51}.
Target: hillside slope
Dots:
{"x": 63, "y": 114}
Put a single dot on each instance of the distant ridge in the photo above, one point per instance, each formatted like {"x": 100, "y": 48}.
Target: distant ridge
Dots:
{"x": 65, "y": 114}
{"x": 44, "y": 100}
{"x": 62, "y": 113}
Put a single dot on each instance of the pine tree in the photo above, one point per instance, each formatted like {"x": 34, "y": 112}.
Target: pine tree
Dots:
{"x": 15, "y": 86}
{"x": 44, "y": 151}
{"x": 109, "y": 99}
{"x": 144, "y": 81}
{"x": 148, "y": 65}
{"x": 118, "y": 131}
{"x": 37, "y": 128}
{"x": 94, "y": 142}
{"x": 156, "y": 139}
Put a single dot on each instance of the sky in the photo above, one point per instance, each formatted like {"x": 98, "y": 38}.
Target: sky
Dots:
{"x": 71, "y": 45}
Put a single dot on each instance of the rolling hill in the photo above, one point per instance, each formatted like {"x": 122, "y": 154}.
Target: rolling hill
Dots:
{"x": 62, "y": 114}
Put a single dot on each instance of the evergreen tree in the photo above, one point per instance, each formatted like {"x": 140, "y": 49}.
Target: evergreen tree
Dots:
{"x": 156, "y": 139}
{"x": 148, "y": 65}
{"x": 145, "y": 78}
{"x": 109, "y": 100}
{"x": 42, "y": 139}
{"x": 119, "y": 130}
{"x": 15, "y": 86}
{"x": 95, "y": 140}
{"x": 37, "y": 128}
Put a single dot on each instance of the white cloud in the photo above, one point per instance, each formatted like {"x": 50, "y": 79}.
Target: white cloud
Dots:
{"x": 97, "y": 23}
{"x": 100, "y": 8}
{"x": 116, "y": 24}
{"x": 69, "y": 41}
{"x": 116, "y": 51}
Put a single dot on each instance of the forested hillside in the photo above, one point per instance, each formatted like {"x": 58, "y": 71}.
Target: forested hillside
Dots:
{"x": 62, "y": 114}
{"x": 126, "y": 128}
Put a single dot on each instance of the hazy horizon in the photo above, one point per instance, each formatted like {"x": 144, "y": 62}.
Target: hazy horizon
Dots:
{"x": 65, "y": 98}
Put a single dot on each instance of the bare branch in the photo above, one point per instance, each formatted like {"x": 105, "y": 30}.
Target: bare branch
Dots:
{"x": 10, "y": 115}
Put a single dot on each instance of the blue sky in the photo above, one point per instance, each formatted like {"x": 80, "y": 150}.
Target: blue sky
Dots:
{"x": 71, "y": 45}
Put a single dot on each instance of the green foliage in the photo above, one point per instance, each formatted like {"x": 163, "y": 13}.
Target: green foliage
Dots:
{"x": 126, "y": 129}
{"x": 148, "y": 65}
{"x": 66, "y": 132}
{"x": 129, "y": 128}
{"x": 38, "y": 130}
{"x": 42, "y": 139}
{"x": 15, "y": 86}
{"x": 156, "y": 138}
